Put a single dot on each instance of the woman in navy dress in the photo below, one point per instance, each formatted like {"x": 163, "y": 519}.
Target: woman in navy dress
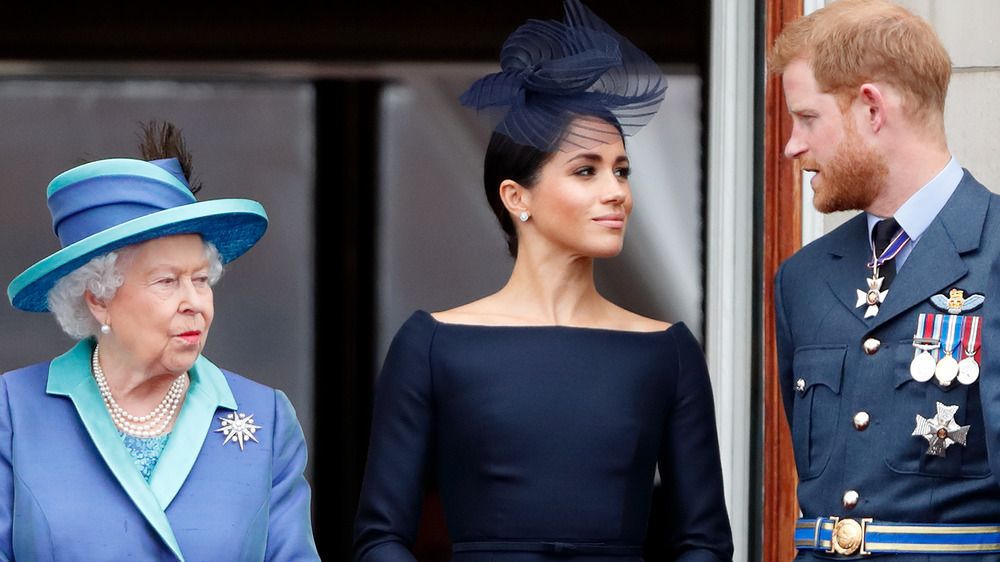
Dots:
{"x": 544, "y": 412}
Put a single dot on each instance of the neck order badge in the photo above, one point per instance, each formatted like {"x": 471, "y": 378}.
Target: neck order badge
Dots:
{"x": 878, "y": 285}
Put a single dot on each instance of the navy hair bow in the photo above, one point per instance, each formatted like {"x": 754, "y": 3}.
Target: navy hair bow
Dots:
{"x": 554, "y": 71}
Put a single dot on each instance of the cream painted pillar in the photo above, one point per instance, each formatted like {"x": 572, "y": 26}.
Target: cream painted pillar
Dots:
{"x": 729, "y": 248}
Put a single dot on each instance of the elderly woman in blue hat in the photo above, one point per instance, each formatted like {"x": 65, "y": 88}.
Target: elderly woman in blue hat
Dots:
{"x": 132, "y": 445}
{"x": 543, "y": 411}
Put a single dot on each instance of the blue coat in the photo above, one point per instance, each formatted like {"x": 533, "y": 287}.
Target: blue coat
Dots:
{"x": 827, "y": 377}
{"x": 69, "y": 489}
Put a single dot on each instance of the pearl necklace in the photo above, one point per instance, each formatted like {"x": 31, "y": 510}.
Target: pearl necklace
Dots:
{"x": 152, "y": 424}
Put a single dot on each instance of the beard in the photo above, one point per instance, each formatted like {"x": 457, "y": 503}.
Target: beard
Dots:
{"x": 853, "y": 179}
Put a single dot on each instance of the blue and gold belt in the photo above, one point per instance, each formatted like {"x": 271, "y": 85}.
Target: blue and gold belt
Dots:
{"x": 864, "y": 536}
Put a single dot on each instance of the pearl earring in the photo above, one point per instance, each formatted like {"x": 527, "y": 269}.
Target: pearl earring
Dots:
{"x": 105, "y": 329}
{"x": 524, "y": 216}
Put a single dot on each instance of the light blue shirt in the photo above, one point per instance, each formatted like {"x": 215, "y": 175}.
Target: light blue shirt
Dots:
{"x": 916, "y": 214}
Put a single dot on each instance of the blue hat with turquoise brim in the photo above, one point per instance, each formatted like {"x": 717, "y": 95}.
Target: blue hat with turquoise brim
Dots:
{"x": 109, "y": 204}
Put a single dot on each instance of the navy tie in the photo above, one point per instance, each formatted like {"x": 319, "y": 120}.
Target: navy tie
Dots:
{"x": 882, "y": 235}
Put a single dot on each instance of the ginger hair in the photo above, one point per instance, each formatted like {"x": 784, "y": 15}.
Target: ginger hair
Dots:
{"x": 853, "y": 42}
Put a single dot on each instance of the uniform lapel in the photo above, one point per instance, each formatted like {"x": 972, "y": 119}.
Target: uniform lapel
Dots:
{"x": 850, "y": 252}
{"x": 69, "y": 375}
{"x": 936, "y": 263}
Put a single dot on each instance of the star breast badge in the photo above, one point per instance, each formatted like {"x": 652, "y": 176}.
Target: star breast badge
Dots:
{"x": 238, "y": 428}
{"x": 941, "y": 431}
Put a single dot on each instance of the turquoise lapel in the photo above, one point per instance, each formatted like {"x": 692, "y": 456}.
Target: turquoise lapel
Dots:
{"x": 69, "y": 375}
{"x": 209, "y": 390}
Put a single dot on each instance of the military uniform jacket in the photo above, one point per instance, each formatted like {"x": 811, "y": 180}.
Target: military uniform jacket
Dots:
{"x": 829, "y": 374}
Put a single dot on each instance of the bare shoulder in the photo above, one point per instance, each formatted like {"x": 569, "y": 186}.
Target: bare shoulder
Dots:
{"x": 483, "y": 312}
{"x": 496, "y": 310}
{"x": 623, "y": 319}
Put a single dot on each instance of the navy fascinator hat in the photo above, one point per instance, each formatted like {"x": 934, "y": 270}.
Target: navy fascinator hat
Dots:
{"x": 552, "y": 72}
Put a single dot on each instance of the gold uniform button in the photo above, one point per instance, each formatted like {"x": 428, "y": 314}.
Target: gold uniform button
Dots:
{"x": 851, "y": 499}
{"x": 871, "y": 346}
{"x": 861, "y": 420}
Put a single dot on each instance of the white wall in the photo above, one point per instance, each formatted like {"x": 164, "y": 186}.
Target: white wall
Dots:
{"x": 972, "y": 119}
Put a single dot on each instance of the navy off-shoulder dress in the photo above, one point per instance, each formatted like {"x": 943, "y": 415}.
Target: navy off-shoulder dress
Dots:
{"x": 544, "y": 442}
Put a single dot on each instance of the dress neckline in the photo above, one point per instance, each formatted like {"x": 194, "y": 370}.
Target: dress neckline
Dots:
{"x": 555, "y": 327}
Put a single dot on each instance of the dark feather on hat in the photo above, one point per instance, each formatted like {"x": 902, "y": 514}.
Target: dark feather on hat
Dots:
{"x": 160, "y": 140}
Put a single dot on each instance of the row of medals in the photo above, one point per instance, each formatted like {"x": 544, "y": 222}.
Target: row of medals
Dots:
{"x": 946, "y": 369}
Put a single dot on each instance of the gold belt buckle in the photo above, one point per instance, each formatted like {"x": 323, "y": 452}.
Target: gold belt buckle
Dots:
{"x": 848, "y": 536}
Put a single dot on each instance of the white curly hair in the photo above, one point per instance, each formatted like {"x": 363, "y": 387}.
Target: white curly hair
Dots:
{"x": 102, "y": 276}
